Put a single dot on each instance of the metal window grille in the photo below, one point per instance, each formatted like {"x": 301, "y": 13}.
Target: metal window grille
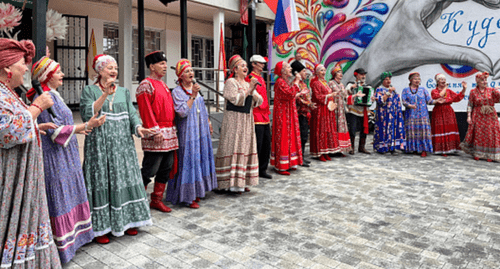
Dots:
{"x": 71, "y": 54}
{"x": 111, "y": 45}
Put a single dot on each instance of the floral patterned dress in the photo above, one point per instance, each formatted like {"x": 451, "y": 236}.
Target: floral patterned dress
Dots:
{"x": 66, "y": 193}
{"x": 483, "y": 136}
{"x": 25, "y": 232}
{"x": 417, "y": 124}
{"x": 115, "y": 189}
{"x": 286, "y": 147}
{"x": 196, "y": 175}
{"x": 445, "y": 135}
{"x": 324, "y": 136}
{"x": 389, "y": 132}
{"x": 236, "y": 163}
{"x": 342, "y": 128}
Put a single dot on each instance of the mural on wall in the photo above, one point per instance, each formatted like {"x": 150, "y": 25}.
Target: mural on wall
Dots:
{"x": 455, "y": 37}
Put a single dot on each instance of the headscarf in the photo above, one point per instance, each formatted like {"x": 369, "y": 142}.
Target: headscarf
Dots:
{"x": 316, "y": 67}
{"x": 101, "y": 61}
{"x": 482, "y": 75}
{"x": 181, "y": 66}
{"x": 413, "y": 74}
{"x": 336, "y": 69}
{"x": 385, "y": 75}
{"x": 439, "y": 76}
{"x": 43, "y": 70}
{"x": 12, "y": 51}
{"x": 278, "y": 68}
{"x": 233, "y": 62}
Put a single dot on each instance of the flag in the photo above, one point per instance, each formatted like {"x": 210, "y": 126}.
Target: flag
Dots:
{"x": 272, "y": 4}
{"x": 270, "y": 50}
{"x": 286, "y": 20}
{"x": 90, "y": 55}
{"x": 222, "y": 52}
{"x": 244, "y": 12}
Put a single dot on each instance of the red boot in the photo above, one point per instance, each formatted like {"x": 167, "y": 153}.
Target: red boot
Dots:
{"x": 327, "y": 157}
{"x": 103, "y": 239}
{"x": 132, "y": 231}
{"x": 157, "y": 196}
{"x": 194, "y": 205}
{"x": 285, "y": 173}
{"x": 424, "y": 154}
{"x": 476, "y": 158}
{"x": 197, "y": 199}
{"x": 322, "y": 158}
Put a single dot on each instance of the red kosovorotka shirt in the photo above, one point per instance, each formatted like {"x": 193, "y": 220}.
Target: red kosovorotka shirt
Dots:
{"x": 156, "y": 107}
{"x": 262, "y": 112}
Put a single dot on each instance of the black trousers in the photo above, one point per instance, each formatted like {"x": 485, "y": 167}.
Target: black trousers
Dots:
{"x": 157, "y": 164}
{"x": 263, "y": 135}
{"x": 355, "y": 124}
{"x": 304, "y": 132}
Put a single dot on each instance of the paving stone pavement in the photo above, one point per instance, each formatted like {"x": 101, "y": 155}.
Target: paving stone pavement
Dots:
{"x": 362, "y": 211}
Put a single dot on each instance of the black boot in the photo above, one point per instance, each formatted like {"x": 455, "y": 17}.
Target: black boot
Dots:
{"x": 361, "y": 148}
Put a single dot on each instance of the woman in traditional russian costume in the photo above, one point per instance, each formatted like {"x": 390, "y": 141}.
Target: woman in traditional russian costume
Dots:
{"x": 237, "y": 163}
{"x": 66, "y": 193}
{"x": 324, "y": 136}
{"x": 286, "y": 149}
{"x": 389, "y": 134}
{"x": 115, "y": 190}
{"x": 196, "y": 168}
{"x": 340, "y": 99}
{"x": 25, "y": 233}
{"x": 417, "y": 123}
{"x": 445, "y": 135}
{"x": 483, "y": 135}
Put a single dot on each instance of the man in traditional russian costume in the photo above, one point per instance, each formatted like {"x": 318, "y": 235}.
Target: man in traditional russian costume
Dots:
{"x": 156, "y": 107}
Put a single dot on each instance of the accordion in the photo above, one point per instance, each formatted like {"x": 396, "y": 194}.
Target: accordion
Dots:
{"x": 365, "y": 100}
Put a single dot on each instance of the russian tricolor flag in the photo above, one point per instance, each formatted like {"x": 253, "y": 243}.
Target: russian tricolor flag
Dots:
{"x": 286, "y": 18}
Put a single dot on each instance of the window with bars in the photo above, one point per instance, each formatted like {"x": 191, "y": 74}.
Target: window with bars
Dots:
{"x": 202, "y": 55}
{"x": 152, "y": 42}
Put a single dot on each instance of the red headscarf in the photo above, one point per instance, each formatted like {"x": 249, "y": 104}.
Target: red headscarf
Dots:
{"x": 482, "y": 75}
{"x": 413, "y": 74}
{"x": 278, "y": 68}
{"x": 12, "y": 51}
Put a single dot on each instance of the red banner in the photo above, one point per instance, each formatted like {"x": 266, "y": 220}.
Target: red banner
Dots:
{"x": 222, "y": 52}
{"x": 244, "y": 12}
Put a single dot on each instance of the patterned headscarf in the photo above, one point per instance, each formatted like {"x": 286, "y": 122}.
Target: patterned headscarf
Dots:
{"x": 44, "y": 69}
{"x": 12, "y": 51}
{"x": 482, "y": 75}
{"x": 181, "y": 66}
{"x": 413, "y": 74}
{"x": 439, "y": 76}
{"x": 101, "y": 61}
{"x": 234, "y": 61}
{"x": 336, "y": 69}
{"x": 385, "y": 75}
{"x": 278, "y": 68}
{"x": 317, "y": 67}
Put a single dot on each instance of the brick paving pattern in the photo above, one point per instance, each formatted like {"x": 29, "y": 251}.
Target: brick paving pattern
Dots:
{"x": 376, "y": 211}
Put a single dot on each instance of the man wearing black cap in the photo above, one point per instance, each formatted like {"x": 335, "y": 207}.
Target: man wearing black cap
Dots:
{"x": 357, "y": 116}
{"x": 261, "y": 116}
{"x": 156, "y": 107}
